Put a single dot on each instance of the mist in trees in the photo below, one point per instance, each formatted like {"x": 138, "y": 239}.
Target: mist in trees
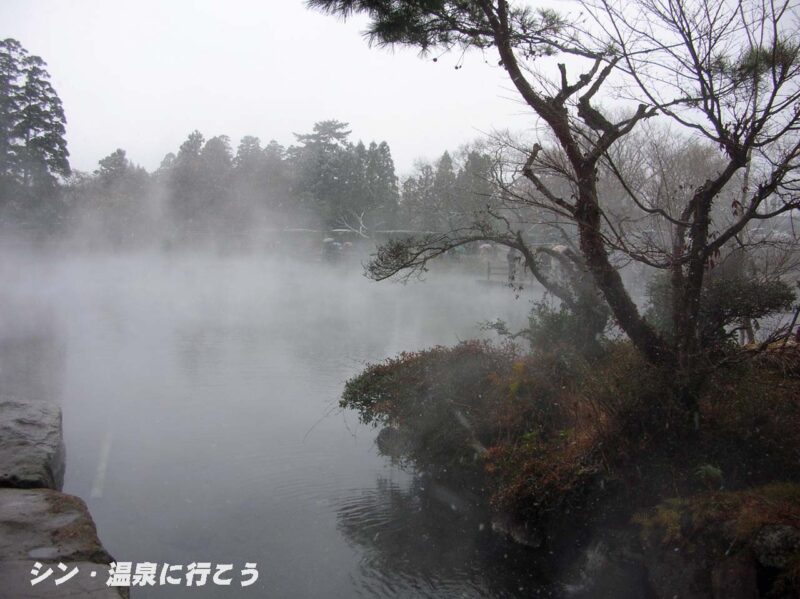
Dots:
{"x": 444, "y": 194}
{"x": 212, "y": 191}
{"x": 209, "y": 191}
{"x": 633, "y": 174}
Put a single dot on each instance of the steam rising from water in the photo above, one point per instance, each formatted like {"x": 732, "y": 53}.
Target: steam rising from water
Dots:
{"x": 199, "y": 396}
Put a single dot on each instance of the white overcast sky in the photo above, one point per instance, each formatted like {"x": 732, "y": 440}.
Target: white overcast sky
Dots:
{"x": 142, "y": 75}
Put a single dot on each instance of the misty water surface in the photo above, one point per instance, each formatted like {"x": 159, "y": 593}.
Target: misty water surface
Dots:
{"x": 201, "y": 423}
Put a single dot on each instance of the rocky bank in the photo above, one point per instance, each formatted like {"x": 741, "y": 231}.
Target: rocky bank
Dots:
{"x": 38, "y": 523}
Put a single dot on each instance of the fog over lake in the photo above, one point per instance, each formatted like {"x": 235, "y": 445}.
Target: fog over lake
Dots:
{"x": 200, "y": 403}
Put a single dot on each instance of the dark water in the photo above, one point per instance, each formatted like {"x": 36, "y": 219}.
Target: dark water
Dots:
{"x": 201, "y": 422}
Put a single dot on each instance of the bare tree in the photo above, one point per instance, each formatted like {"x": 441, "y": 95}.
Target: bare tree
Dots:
{"x": 723, "y": 71}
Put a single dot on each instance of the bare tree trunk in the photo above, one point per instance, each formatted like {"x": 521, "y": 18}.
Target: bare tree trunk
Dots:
{"x": 587, "y": 213}
{"x": 608, "y": 279}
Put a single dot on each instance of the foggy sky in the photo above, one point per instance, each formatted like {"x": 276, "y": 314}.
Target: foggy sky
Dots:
{"x": 142, "y": 75}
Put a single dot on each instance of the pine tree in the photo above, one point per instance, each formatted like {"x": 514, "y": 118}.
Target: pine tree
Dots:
{"x": 326, "y": 173}
{"x": 326, "y": 134}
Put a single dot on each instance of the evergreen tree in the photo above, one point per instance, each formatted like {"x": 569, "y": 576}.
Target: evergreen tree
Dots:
{"x": 112, "y": 168}
{"x": 444, "y": 188}
{"x": 11, "y": 55}
{"x": 419, "y": 205}
{"x": 258, "y": 184}
{"x": 167, "y": 162}
{"x": 274, "y": 152}
{"x": 42, "y": 127}
{"x": 381, "y": 184}
{"x": 247, "y": 176}
{"x": 363, "y": 192}
{"x": 118, "y": 192}
{"x": 277, "y": 177}
{"x": 33, "y": 151}
{"x": 345, "y": 185}
{"x": 115, "y": 172}
{"x": 326, "y": 135}
{"x": 183, "y": 179}
{"x": 327, "y": 173}
{"x": 216, "y": 162}
{"x": 249, "y": 155}
{"x": 473, "y": 186}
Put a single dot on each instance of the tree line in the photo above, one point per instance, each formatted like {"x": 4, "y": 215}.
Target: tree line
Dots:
{"x": 323, "y": 181}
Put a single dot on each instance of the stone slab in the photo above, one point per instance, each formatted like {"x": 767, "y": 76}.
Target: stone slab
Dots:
{"x": 46, "y": 526}
{"x": 41, "y": 524}
{"x": 31, "y": 445}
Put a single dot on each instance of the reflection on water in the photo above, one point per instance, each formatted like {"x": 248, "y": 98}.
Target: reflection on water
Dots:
{"x": 418, "y": 543}
{"x": 200, "y": 414}
{"x": 31, "y": 351}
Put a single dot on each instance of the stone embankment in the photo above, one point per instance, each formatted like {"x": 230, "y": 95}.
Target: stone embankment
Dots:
{"x": 42, "y": 528}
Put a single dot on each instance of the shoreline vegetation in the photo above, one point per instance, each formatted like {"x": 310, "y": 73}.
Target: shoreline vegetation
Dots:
{"x": 571, "y": 452}
{"x": 664, "y": 143}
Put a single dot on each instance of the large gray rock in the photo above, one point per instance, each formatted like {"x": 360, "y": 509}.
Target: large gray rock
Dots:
{"x": 31, "y": 445}
{"x": 42, "y": 525}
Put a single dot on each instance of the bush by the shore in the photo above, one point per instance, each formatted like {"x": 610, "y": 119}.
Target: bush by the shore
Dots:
{"x": 573, "y": 444}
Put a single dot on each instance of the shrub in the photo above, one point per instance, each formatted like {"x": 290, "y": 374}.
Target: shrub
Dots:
{"x": 534, "y": 426}
{"x": 557, "y": 438}
{"x": 728, "y": 298}
{"x": 436, "y": 399}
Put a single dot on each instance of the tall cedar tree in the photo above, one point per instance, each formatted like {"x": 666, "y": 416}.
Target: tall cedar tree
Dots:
{"x": 33, "y": 150}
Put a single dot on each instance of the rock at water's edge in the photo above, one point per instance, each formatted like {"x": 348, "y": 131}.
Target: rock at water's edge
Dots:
{"x": 42, "y": 525}
{"x": 31, "y": 445}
